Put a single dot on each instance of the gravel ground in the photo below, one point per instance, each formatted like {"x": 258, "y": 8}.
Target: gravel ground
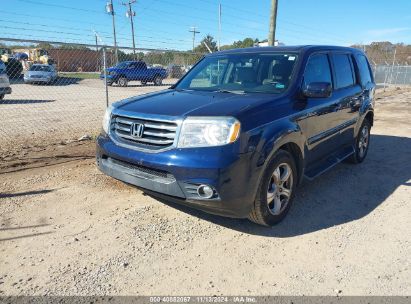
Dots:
{"x": 67, "y": 229}
{"x": 68, "y": 109}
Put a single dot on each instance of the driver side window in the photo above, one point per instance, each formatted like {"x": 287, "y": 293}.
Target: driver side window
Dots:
{"x": 317, "y": 70}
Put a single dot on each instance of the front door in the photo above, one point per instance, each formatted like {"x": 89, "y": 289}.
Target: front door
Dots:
{"x": 320, "y": 116}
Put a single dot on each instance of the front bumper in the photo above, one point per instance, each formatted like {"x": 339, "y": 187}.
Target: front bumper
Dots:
{"x": 174, "y": 175}
{"x": 37, "y": 80}
{"x": 110, "y": 78}
{"x": 6, "y": 90}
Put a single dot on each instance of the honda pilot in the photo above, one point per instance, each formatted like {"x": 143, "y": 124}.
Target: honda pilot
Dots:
{"x": 240, "y": 131}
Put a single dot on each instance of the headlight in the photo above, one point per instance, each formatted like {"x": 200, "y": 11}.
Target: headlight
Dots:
{"x": 208, "y": 131}
{"x": 106, "y": 119}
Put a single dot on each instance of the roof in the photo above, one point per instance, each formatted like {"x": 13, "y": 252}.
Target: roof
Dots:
{"x": 295, "y": 48}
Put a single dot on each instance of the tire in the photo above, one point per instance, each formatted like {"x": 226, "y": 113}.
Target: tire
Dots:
{"x": 362, "y": 143}
{"x": 122, "y": 82}
{"x": 143, "y": 83}
{"x": 158, "y": 81}
{"x": 1, "y": 96}
{"x": 275, "y": 184}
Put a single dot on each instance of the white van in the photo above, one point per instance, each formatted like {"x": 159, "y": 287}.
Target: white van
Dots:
{"x": 4, "y": 81}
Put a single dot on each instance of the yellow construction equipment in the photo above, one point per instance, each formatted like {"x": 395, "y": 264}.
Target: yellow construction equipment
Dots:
{"x": 36, "y": 55}
{"x": 5, "y": 54}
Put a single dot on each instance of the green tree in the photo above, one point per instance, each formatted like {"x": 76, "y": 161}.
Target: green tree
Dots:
{"x": 247, "y": 42}
{"x": 209, "y": 40}
{"x": 44, "y": 46}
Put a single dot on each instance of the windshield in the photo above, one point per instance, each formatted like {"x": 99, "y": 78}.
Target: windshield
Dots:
{"x": 40, "y": 68}
{"x": 122, "y": 65}
{"x": 259, "y": 73}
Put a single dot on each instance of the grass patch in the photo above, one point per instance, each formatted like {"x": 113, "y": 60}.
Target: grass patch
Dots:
{"x": 81, "y": 75}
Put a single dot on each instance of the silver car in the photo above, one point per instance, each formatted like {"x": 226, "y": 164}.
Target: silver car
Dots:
{"x": 4, "y": 81}
{"x": 40, "y": 73}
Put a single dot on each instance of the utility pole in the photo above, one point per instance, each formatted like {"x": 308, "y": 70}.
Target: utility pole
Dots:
{"x": 98, "y": 61}
{"x": 273, "y": 22}
{"x": 110, "y": 10}
{"x": 130, "y": 14}
{"x": 219, "y": 26}
{"x": 194, "y": 31}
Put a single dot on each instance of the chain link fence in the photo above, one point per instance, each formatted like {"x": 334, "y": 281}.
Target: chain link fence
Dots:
{"x": 58, "y": 89}
{"x": 392, "y": 74}
{"x": 59, "y": 93}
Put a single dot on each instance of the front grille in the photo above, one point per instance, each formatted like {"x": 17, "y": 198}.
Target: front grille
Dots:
{"x": 155, "y": 135}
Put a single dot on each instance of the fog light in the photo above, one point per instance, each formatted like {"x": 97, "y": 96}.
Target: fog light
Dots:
{"x": 205, "y": 191}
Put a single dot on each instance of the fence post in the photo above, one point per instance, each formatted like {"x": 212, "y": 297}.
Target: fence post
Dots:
{"x": 405, "y": 74}
{"x": 105, "y": 74}
{"x": 375, "y": 68}
{"x": 396, "y": 75}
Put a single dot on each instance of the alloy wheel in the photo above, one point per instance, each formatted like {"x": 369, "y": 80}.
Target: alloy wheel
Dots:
{"x": 279, "y": 188}
{"x": 363, "y": 141}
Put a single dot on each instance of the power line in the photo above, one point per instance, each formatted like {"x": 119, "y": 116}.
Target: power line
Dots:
{"x": 88, "y": 31}
{"x": 61, "y": 6}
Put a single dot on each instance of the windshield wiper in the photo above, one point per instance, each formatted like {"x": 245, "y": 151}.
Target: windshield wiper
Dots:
{"x": 233, "y": 92}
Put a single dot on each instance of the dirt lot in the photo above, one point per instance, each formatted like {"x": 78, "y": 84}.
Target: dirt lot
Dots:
{"x": 66, "y": 229}
{"x": 66, "y": 110}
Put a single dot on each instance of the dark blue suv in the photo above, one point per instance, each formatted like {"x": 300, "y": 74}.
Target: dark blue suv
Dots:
{"x": 239, "y": 132}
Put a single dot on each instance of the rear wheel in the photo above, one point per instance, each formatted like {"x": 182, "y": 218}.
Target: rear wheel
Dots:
{"x": 122, "y": 81}
{"x": 144, "y": 82}
{"x": 362, "y": 142}
{"x": 158, "y": 81}
{"x": 276, "y": 190}
{"x": 1, "y": 96}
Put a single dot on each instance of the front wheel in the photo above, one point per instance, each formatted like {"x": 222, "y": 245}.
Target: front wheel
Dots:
{"x": 362, "y": 142}
{"x": 122, "y": 81}
{"x": 276, "y": 190}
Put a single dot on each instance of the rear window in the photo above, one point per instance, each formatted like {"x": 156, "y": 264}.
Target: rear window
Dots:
{"x": 364, "y": 69}
{"x": 343, "y": 71}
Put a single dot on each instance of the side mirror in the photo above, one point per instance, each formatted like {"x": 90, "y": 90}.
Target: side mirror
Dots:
{"x": 318, "y": 90}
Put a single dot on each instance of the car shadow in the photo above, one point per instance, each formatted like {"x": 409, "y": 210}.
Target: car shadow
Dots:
{"x": 27, "y": 193}
{"x": 60, "y": 81}
{"x": 25, "y": 101}
{"x": 65, "y": 81}
{"x": 342, "y": 195}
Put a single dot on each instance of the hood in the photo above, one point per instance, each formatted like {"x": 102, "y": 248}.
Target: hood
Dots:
{"x": 184, "y": 103}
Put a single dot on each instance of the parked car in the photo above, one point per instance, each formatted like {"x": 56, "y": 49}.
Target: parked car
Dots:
{"x": 41, "y": 73}
{"x": 175, "y": 71}
{"x": 127, "y": 71}
{"x": 239, "y": 132}
{"x": 4, "y": 81}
